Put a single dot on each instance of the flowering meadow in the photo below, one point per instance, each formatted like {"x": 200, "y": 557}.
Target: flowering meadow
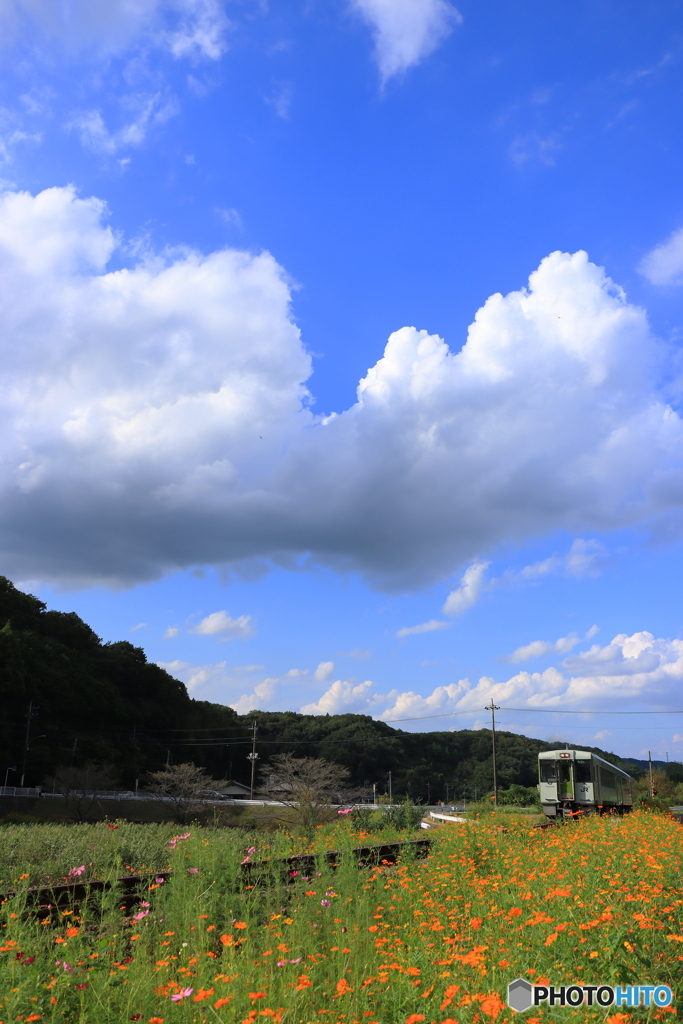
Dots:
{"x": 433, "y": 940}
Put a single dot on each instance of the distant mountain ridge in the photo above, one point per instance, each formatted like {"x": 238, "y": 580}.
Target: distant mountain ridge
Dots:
{"x": 106, "y": 702}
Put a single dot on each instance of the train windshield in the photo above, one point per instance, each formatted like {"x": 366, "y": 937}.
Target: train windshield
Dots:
{"x": 583, "y": 771}
{"x": 547, "y": 768}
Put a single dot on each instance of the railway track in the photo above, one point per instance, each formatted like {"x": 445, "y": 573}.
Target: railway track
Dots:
{"x": 48, "y": 900}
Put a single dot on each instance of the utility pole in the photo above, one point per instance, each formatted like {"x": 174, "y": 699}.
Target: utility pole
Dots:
{"x": 652, "y": 785}
{"x": 29, "y": 716}
{"x": 374, "y": 794}
{"x": 493, "y": 708}
{"x": 390, "y": 787}
{"x": 253, "y": 757}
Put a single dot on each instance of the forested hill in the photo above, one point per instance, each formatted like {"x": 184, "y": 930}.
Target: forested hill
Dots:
{"x": 104, "y": 701}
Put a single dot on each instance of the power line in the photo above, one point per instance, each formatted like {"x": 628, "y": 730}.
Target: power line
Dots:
{"x": 545, "y": 711}
{"x": 423, "y": 718}
{"x": 566, "y": 711}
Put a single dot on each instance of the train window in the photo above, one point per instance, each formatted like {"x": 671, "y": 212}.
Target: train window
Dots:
{"x": 583, "y": 771}
{"x": 547, "y": 771}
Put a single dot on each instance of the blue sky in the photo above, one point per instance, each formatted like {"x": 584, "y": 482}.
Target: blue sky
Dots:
{"x": 214, "y": 217}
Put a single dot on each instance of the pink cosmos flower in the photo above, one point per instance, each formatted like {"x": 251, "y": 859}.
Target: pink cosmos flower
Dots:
{"x": 252, "y": 849}
{"x": 65, "y": 965}
{"x": 193, "y": 871}
{"x": 183, "y": 994}
{"x": 160, "y": 881}
{"x": 347, "y": 811}
{"x": 75, "y": 872}
{"x": 325, "y": 903}
{"x": 139, "y": 917}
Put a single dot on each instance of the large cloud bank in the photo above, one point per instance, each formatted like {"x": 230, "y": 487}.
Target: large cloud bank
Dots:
{"x": 633, "y": 672}
{"x": 630, "y": 671}
{"x": 156, "y": 417}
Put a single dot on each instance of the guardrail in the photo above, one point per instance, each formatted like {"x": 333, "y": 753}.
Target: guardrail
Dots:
{"x": 31, "y": 791}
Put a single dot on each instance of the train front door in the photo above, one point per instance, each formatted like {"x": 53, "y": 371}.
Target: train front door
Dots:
{"x": 565, "y": 783}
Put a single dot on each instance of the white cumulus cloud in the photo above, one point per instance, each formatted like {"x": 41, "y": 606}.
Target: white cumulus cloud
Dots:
{"x": 629, "y": 671}
{"x": 221, "y": 624}
{"x": 406, "y": 31}
{"x": 469, "y": 591}
{"x": 323, "y": 671}
{"x": 541, "y": 648}
{"x": 217, "y": 682}
{"x": 259, "y": 700}
{"x": 341, "y": 698}
{"x": 156, "y": 417}
{"x": 424, "y": 627}
{"x": 664, "y": 263}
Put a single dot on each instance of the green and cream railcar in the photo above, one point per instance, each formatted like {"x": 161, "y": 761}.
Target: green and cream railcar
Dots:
{"x": 576, "y": 780}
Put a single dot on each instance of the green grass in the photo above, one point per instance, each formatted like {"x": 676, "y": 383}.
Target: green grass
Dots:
{"x": 434, "y": 941}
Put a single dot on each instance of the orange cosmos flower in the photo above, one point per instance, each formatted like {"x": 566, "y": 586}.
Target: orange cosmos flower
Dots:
{"x": 448, "y": 996}
{"x": 227, "y": 940}
{"x": 240, "y": 924}
{"x": 414, "y": 1018}
{"x": 257, "y": 995}
{"x": 222, "y": 1002}
{"x": 343, "y": 987}
{"x": 492, "y": 1005}
{"x": 203, "y": 993}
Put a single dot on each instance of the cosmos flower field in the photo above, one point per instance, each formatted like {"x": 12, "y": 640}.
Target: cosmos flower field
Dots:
{"x": 434, "y": 940}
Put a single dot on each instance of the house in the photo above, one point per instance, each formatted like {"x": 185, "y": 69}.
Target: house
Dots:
{"x": 232, "y": 790}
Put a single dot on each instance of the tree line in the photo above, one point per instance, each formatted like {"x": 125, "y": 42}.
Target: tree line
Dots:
{"x": 67, "y": 698}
